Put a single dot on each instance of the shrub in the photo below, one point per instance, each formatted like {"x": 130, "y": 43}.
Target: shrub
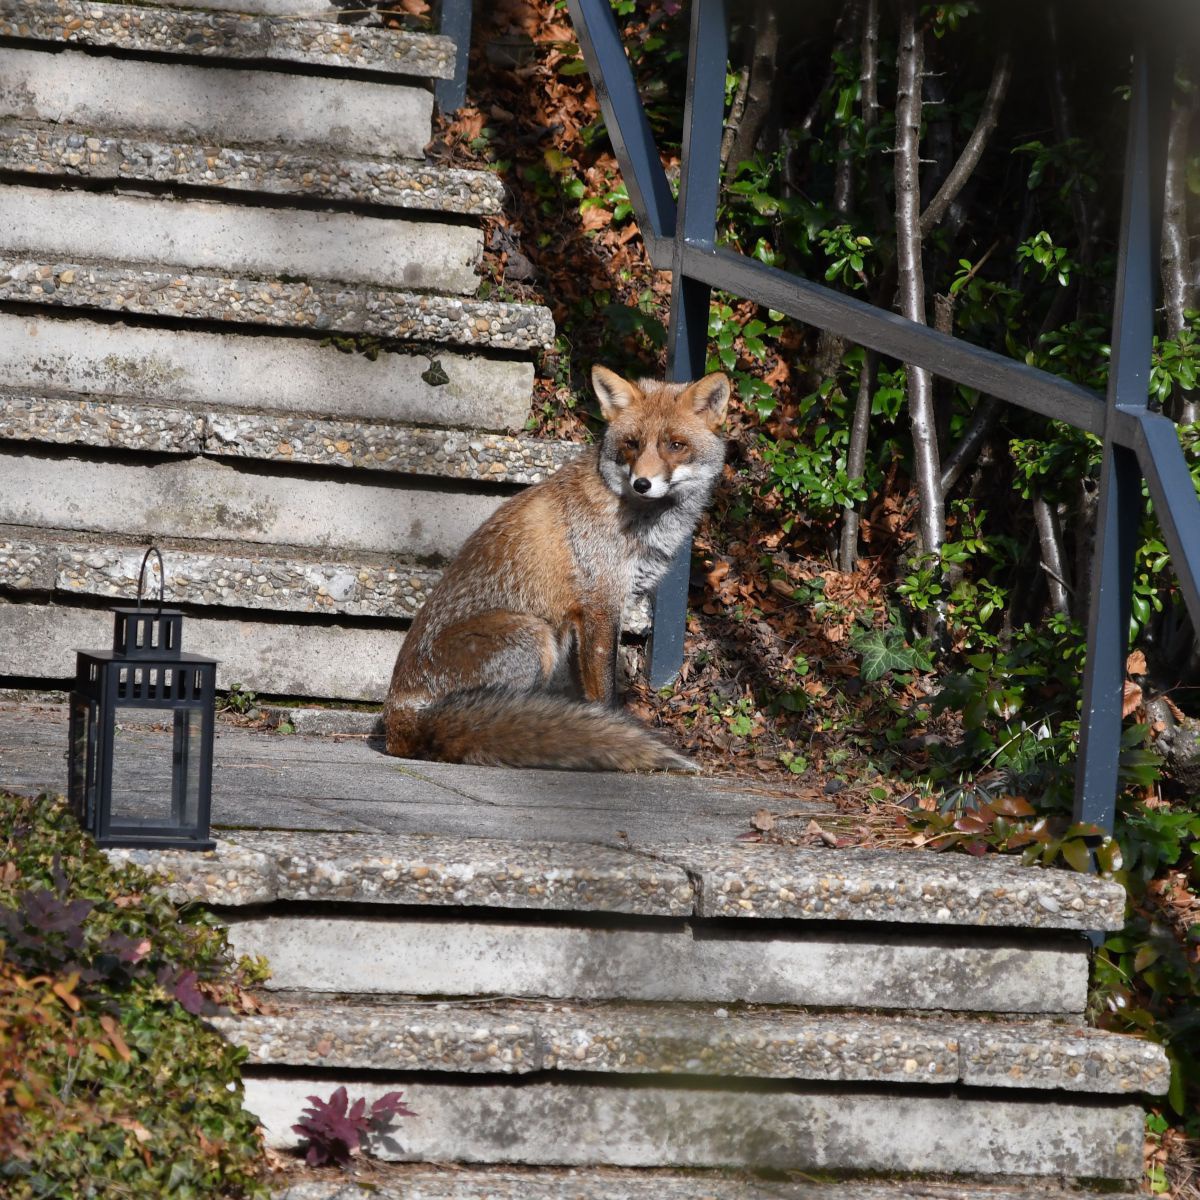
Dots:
{"x": 109, "y": 1084}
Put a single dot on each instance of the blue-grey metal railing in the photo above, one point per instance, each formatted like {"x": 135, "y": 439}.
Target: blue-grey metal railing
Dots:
{"x": 454, "y": 21}
{"x": 1138, "y": 443}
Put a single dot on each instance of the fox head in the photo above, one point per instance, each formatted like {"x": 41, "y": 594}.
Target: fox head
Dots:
{"x": 661, "y": 441}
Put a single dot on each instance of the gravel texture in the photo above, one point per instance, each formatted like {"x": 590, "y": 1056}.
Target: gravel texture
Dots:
{"x": 227, "y": 875}
{"x": 364, "y": 445}
{"x": 516, "y": 1037}
{"x": 880, "y": 885}
{"x": 276, "y": 171}
{"x": 421, "y": 1182}
{"x": 250, "y": 580}
{"x": 374, "y": 869}
{"x": 194, "y": 33}
{"x": 317, "y": 306}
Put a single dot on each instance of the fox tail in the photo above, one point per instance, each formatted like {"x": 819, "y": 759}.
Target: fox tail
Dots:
{"x": 497, "y": 726}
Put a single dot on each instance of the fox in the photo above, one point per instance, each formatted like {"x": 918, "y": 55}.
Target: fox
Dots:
{"x": 512, "y": 659}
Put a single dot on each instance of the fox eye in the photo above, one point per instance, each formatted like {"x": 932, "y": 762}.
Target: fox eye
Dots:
{"x": 629, "y": 443}
{"x": 676, "y": 447}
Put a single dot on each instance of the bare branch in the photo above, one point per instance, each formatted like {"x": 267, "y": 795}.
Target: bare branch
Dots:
{"x": 761, "y": 85}
{"x": 736, "y": 110}
{"x": 1053, "y": 559}
{"x": 979, "y": 428}
{"x": 856, "y": 458}
{"x": 972, "y": 152}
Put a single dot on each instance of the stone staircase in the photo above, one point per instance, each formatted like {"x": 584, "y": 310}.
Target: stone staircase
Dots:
{"x": 692, "y": 1020}
{"x": 194, "y": 200}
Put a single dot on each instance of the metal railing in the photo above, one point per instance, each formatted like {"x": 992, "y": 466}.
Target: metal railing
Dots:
{"x": 1139, "y": 444}
{"x": 454, "y": 21}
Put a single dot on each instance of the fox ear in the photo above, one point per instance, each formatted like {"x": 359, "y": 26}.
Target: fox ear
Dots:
{"x": 709, "y": 398}
{"x": 613, "y": 392}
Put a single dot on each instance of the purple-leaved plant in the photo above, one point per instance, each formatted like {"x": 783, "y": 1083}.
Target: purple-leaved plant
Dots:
{"x": 336, "y": 1129}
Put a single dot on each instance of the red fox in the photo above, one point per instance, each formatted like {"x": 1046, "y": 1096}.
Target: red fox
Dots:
{"x": 512, "y": 659}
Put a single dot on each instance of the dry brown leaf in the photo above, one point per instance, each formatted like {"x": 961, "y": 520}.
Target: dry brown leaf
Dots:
{"x": 110, "y": 1027}
{"x": 763, "y": 820}
{"x": 1131, "y": 699}
{"x": 1135, "y": 664}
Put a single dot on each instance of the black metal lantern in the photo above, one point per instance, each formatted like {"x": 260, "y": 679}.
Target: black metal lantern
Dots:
{"x": 142, "y": 718}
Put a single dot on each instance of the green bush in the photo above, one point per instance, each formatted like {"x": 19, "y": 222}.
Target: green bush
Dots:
{"x": 109, "y": 1084}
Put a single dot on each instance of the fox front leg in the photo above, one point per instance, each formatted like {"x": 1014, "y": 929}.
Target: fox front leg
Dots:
{"x": 597, "y": 635}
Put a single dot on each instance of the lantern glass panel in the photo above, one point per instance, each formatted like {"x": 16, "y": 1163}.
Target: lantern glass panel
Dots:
{"x": 156, "y": 769}
{"x": 82, "y": 758}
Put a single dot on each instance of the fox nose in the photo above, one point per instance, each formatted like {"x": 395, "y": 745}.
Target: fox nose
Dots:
{"x": 641, "y": 485}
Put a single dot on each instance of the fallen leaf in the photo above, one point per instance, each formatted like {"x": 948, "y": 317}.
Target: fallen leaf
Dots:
{"x": 109, "y": 1025}
{"x": 1132, "y": 698}
{"x": 763, "y": 820}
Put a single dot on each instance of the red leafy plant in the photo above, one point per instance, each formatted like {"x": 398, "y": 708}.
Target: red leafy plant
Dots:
{"x": 336, "y": 1129}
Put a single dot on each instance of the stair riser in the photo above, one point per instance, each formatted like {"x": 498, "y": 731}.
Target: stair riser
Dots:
{"x": 266, "y": 374}
{"x": 435, "y": 956}
{"x": 202, "y": 235}
{"x": 200, "y": 498}
{"x": 588, "y": 1124}
{"x": 215, "y": 103}
{"x": 39, "y": 642}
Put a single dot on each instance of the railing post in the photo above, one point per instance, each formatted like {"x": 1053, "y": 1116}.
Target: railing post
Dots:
{"x": 1120, "y": 477}
{"x": 687, "y": 345}
{"x": 455, "y": 23}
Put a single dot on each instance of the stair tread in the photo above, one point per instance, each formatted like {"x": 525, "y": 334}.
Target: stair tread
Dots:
{"x": 902, "y": 887}
{"x": 309, "y": 40}
{"x": 45, "y": 149}
{"x": 341, "y": 442}
{"x": 239, "y": 576}
{"x": 522, "y": 1037}
{"x": 316, "y": 305}
{"x": 419, "y": 1181}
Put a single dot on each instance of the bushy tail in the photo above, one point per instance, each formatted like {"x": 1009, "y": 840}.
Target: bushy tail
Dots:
{"x": 528, "y": 729}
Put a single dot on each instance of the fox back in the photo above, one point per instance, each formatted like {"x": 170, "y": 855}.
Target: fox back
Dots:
{"x": 532, "y": 604}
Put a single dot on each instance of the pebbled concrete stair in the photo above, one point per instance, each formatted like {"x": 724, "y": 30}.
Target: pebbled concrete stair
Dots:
{"x": 629, "y": 1012}
{"x": 198, "y": 198}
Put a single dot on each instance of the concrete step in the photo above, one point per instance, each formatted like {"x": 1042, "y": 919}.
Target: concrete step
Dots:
{"x": 260, "y": 373}
{"x": 361, "y": 445}
{"x": 59, "y": 151}
{"x": 205, "y": 499}
{"x": 416, "y": 1181}
{"x": 240, "y": 576}
{"x": 606, "y": 1120}
{"x": 191, "y": 33}
{"x": 527, "y": 1037}
{"x": 225, "y": 106}
{"x": 243, "y": 577}
{"x": 38, "y": 641}
{"x": 275, "y": 303}
{"x": 987, "y": 941}
{"x": 851, "y": 885}
{"x": 201, "y": 235}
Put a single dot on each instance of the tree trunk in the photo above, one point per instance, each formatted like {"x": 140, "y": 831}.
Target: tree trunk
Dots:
{"x": 910, "y": 275}
{"x": 1177, "y": 279}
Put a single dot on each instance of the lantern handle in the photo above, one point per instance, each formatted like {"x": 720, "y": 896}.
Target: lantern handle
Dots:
{"x": 162, "y": 577}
